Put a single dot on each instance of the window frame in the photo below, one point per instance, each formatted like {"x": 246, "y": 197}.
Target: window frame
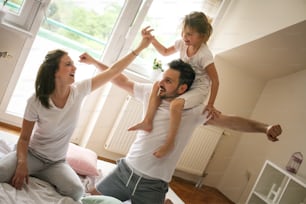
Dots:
{"x": 123, "y": 35}
{"x": 111, "y": 53}
{"x": 25, "y": 19}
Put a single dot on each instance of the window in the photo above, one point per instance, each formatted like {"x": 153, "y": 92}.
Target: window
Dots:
{"x": 165, "y": 17}
{"x": 21, "y": 13}
{"x": 12, "y": 6}
{"x": 84, "y": 27}
{"x": 104, "y": 28}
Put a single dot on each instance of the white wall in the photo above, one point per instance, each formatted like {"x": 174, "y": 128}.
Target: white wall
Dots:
{"x": 247, "y": 20}
{"x": 238, "y": 91}
{"x": 239, "y": 158}
{"x": 282, "y": 100}
{"x": 238, "y": 95}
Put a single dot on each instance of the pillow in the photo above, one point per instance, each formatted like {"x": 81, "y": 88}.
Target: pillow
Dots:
{"x": 82, "y": 160}
{"x": 100, "y": 199}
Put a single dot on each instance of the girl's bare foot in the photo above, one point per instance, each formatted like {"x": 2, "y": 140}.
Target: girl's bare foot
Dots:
{"x": 94, "y": 192}
{"x": 168, "y": 201}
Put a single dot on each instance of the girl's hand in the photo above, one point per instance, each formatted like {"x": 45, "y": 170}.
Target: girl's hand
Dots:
{"x": 212, "y": 111}
{"x": 21, "y": 176}
{"x": 146, "y": 32}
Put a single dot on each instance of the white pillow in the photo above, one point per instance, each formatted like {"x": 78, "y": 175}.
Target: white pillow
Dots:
{"x": 82, "y": 160}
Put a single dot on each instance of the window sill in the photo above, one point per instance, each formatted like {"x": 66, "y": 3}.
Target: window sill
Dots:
{"x": 16, "y": 29}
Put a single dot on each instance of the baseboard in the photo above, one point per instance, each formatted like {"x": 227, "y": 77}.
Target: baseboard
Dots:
{"x": 10, "y": 127}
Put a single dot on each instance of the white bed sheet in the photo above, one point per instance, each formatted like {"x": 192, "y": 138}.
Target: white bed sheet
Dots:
{"x": 41, "y": 192}
{"x": 35, "y": 192}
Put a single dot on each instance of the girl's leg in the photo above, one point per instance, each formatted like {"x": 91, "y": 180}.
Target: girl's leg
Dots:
{"x": 154, "y": 102}
{"x": 176, "y": 108}
{"x": 64, "y": 179}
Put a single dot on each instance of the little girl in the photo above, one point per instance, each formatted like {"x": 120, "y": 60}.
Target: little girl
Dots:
{"x": 193, "y": 49}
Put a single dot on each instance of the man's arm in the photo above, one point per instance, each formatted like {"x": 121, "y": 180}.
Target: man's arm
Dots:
{"x": 246, "y": 125}
{"x": 120, "y": 80}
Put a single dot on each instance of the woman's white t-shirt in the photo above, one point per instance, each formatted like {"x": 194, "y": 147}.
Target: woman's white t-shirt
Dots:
{"x": 54, "y": 126}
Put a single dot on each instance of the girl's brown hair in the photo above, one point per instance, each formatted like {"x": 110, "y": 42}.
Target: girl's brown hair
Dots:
{"x": 199, "y": 22}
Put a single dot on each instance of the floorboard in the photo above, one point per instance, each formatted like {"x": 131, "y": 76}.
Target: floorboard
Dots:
{"x": 187, "y": 191}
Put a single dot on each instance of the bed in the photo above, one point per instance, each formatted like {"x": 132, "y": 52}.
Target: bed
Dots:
{"x": 38, "y": 191}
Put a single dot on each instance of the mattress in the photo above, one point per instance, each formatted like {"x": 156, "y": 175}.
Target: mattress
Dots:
{"x": 38, "y": 191}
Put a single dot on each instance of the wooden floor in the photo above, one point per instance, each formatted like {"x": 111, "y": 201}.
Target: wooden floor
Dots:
{"x": 184, "y": 189}
{"x": 192, "y": 195}
{"x": 9, "y": 128}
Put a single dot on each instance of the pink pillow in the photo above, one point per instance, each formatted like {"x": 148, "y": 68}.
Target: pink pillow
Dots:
{"x": 82, "y": 160}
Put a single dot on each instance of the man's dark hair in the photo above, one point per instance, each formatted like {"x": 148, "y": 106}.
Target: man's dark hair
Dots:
{"x": 187, "y": 74}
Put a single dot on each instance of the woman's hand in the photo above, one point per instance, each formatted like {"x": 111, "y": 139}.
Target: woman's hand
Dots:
{"x": 145, "y": 41}
{"x": 21, "y": 175}
{"x": 146, "y": 32}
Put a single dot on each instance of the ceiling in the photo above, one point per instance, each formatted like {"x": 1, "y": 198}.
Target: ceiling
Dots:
{"x": 272, "y": 56}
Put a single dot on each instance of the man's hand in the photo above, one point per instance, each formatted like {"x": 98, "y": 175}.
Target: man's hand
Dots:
{"x": 86, "y": 58}
{"x": 273, "y": 131}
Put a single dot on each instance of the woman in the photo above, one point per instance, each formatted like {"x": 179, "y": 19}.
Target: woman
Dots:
{"x": 49, "y": 121}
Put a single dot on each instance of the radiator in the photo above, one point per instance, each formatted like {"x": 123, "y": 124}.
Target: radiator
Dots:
{"x": 120, "y": 140}
{"x": 199, "y": 150}
{"x": 196, "y": 155}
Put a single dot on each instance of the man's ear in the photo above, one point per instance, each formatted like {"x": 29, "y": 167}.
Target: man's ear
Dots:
{"x": 182, "y": 89}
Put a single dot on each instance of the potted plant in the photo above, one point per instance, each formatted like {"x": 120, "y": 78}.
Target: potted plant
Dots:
{"x": 157, "y": 69}
{"x": 157, "y": 65}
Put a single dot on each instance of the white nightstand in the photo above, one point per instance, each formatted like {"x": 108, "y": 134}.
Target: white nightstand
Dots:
{"x": 275, "y": 185}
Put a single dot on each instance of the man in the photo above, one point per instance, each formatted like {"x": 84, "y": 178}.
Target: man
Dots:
{"x": 140, "y": 176}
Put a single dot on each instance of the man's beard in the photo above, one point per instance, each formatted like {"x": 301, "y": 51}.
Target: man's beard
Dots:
{"x": 167, "y": 96}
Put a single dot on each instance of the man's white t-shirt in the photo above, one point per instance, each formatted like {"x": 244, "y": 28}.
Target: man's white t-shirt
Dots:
{"x": 140, "y": 156}
{"x": 54, "y": 126}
